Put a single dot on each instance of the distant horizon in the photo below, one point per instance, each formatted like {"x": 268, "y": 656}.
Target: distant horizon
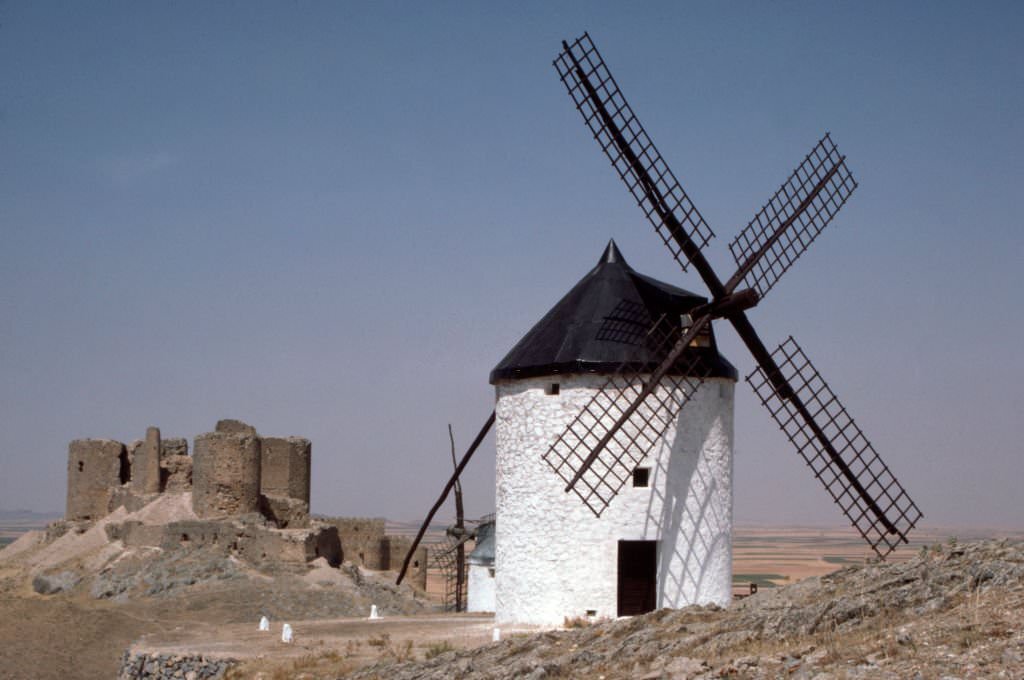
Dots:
{"x": 745, "y": 524}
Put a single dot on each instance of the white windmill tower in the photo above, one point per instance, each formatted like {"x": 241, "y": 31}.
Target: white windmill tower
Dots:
{"x": 666, "y": 539}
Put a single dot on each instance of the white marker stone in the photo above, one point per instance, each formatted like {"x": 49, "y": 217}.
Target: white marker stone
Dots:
{"x": 264, "y": 623}
{"x": 286, "y": 633}
{"x": 373, "y": 612}
{"x": 496, "y": 635}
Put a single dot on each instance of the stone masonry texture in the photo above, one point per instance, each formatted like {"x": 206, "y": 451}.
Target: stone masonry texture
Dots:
{"x": 174, "y": 446}
{"x": 146, "y": 463}
{"x": 286, "y": 467}
{"x": 95, "y": 468}
{"x": 176, "y": 474}
{"x": 395, "y": 548}
{"x": 361, "y": 540}
{"x": 225, "y": 474}
{"x": 231, "y": 426}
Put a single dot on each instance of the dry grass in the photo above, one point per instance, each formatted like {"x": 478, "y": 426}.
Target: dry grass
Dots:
{"x": 437, "y": 649}
{"x": 328, "y": 664}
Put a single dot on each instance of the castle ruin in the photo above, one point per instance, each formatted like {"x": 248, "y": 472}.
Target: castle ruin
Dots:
{"x": 250, "y": 495}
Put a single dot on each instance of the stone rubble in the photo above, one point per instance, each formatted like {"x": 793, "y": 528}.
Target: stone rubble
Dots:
{"x": 172, "y": 667}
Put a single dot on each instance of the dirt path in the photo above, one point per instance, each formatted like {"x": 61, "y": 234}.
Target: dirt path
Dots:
{"x": 357, "y": 639}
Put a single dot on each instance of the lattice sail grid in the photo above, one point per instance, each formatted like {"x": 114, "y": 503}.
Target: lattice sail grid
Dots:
{"x": 880, "y": 509}
{"x": 823, "y": 166}
{"x": 444, "y": 557}
{"x": 631, "y": 152}
{"x": 639, "y": 435}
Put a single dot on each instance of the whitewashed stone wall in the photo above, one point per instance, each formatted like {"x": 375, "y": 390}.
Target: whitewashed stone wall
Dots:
{"x": 555, "y": 559}
{"x": 481, "y": 589}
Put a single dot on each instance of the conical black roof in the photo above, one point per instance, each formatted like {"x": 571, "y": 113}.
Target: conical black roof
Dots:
{"x": 584, "y": 333}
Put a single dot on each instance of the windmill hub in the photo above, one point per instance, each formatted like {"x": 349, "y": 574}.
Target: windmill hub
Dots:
{"x": 727, "y": 305}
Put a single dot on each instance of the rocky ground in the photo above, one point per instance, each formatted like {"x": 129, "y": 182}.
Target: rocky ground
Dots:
{"x": 953, "y": 611}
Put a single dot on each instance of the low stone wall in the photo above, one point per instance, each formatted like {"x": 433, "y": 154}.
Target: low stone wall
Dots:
{"x": 361, "y": 540}
{"x": 250, "y": 541}
{"x": 137, "y": 665}
{"x": 395, "y": 548}
{"x": 295, "y": 546}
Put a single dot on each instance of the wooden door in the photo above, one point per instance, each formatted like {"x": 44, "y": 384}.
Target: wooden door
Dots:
{"x": 638, "y": 577}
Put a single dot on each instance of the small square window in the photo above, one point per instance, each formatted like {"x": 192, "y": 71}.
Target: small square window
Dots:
{"x": 552, "y": 388}
{"x": 641, "y": 477}
{"x": 490, "y": 572}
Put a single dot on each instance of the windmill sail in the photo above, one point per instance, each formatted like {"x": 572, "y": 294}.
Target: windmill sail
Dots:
{"x": 793, "y": 217}
{"x": 631, "y": 152}
{"x": 836, "y": 450}
{"x": 613, "y": 431}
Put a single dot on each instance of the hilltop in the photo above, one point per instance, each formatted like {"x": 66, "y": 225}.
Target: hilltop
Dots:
{"x": 953, "y": 610}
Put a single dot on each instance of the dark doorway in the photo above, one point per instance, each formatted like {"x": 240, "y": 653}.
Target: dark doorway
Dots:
{"x": 638, "y": 579}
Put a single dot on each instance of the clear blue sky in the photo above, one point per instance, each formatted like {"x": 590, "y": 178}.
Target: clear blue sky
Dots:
{"x": 333, "y": 219}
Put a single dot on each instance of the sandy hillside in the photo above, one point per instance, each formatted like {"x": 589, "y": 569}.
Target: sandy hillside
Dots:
{"x": 73, "y": 603}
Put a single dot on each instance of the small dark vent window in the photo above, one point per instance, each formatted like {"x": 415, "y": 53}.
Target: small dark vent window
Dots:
{"x": 553, "y": 388}
{"x": 81, "y": 466}
{"x": 641, "y": 477}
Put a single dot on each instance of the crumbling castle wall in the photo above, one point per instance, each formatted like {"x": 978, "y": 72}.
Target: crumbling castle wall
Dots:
{"x": 175, "y": 466}
{"x": 95, "y": 468}
{"x": 146, "y": 463}
{"x": 232, "y": 426}
{"x": 362, "y": 540}
{"x": 286, "y": 467}
{"x": 395, "y": 548}
{"x": 252, "y": 541}
{"x": 225, "y": 474}
{"x": 174, "y": 446}
{"x": 365, "y": 543}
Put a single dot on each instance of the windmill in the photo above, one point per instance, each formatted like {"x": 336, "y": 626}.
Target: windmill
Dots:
{"x": 786, "y": 382}
{"x": 612, "y": 433}
{"x": 449, "y": 556}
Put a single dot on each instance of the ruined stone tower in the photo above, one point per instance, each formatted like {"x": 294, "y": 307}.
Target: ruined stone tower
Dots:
{"x": 226, "y": 474}
{"x": 95, "y": 468}
{"x": 286, "y": 467}
{"x": 146, "y": 463}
